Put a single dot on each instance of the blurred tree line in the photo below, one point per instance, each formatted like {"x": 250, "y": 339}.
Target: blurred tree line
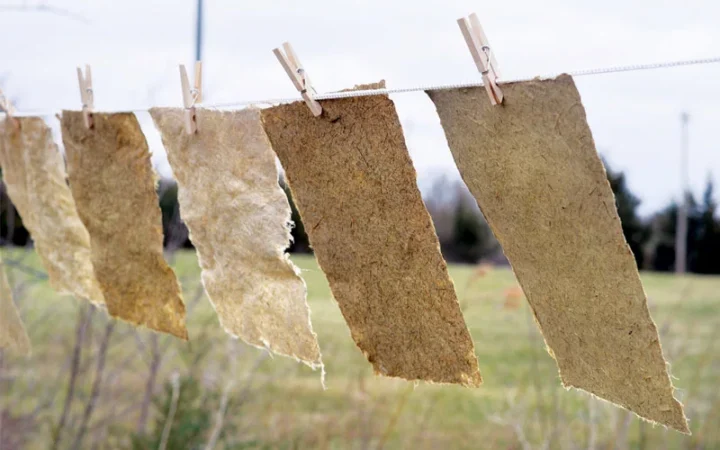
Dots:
{"x": 464, "y": 234}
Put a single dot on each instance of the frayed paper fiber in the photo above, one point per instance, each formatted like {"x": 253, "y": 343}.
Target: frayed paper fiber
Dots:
{"x": 239, "y": 218}
{"x": 355, "y": 188}
{"x": 113, "y": 183}
{"x": 531, "y": 164}
{"x": 34, "y": 173}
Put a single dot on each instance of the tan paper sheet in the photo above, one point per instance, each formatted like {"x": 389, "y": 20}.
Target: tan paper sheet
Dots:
{"x": 533, "y": 168}
{"x": 355, "y": 187}
{"x": 12, "y": 331}
{"x": 238, "y": 217}
{"x": 34, "y": 173}
{"x": 113, "y": 184}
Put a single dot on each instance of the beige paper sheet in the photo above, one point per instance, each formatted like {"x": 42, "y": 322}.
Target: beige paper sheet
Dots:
{"x": 355, "y": 187}
{"x": 533, "y": 168}
{"x": 113, "y": 184}
{"x": 238, "y": 217}
{"x": 12, "y": 331}
{"x": 34, "y": 173}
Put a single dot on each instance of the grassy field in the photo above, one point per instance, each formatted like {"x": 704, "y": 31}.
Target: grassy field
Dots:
{"x": 263, "y": 402}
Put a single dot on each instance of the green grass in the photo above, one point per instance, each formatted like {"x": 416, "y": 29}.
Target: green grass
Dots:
{"x": 286, "y": 405}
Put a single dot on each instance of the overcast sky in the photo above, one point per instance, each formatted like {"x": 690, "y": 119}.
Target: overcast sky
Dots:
{"x": 134, "y": 48}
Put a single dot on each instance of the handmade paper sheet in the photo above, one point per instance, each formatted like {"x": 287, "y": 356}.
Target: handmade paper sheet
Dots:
{"x": 531, "y": 164}
{"x": 34, "y": 173}
{"x": 355, "y": 188}
{"x": 239, "y": 217}
{"x": 113, "y": 184}
{"x": 12, "y": 331}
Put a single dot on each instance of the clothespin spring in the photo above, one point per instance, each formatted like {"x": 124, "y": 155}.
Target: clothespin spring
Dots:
{"x": 486, "y": 50}
{"x": 301, "y": 72}
{"x": 87, "y": 112}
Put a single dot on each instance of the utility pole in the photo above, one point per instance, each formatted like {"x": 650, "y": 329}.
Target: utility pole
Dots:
{"x": 682, "y": 215}
{"x": 199, "y": 31}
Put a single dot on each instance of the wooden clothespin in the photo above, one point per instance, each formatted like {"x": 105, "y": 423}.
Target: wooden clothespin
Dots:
{"x": 86, "y": 95}
{"x": 191, "y": 97}
{"x": 7, "y": 107}
{"x": 299, "y": 77}
{"x": 484, "y": 58}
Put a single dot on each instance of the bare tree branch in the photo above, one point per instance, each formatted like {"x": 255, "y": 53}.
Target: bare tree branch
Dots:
{"x": 171, "y": 411}
{"x": 219, "y": 417}
{"x": 95, "y": 392}
{"x": 44, "y": 7}
{"x": 150, "y": 384}
{"x": 84, "y": 318}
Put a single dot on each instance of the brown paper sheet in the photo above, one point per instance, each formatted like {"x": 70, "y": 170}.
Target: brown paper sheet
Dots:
{"x": 533, "y": 168}
{"x": 238, "y": 217}
{"x": 34, "y": 173}
{"x": 12, "y": 331}
{"x": 355, "y": 187}
{"x": 113, "y": 184}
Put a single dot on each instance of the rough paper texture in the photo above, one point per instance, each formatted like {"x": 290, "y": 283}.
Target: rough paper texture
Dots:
{"x": 12, "y": 332}
{"x": 34, "y": 173}
{"x": 113, "y": 184}
{"x": 238, "y": 217}
{"x": 355, "y": 187}
{"x": 533, "y": 168}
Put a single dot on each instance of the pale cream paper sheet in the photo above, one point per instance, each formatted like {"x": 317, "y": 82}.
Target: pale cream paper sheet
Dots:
{"x": 34, "y": 173}
{"x": 238, "y": 217}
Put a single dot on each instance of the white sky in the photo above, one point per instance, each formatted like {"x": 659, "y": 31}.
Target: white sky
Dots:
{"x": 134, "y": 48}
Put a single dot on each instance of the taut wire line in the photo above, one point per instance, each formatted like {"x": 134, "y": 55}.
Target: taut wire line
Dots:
{"x": 365, "y": 93}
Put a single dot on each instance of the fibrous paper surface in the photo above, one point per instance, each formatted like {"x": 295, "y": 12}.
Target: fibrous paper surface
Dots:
{"x": 34, "y": 173}
{"x": 531, "y": 164}
{"x": 238, "y": 217}
{"x": 355, "y": 188}
{"x": 113, "y": 183}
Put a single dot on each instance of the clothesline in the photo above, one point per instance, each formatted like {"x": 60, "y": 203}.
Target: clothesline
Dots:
{"x": 364, "y": 93}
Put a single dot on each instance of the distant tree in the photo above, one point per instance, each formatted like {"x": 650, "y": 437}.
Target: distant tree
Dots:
{"x": 636, "y": 231}
{"x": 175, "y": 232}
{"x": 440, "y": 201}
{"x": 300, "y": 242}
{"x": 12, "y": 231}
{"x": 661, "y": 249}
{"x": 704, "y": 253}
{"x": 463, "y": 233}
{"x": 703, "y": 240}
{"x": 472, "y": 238}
